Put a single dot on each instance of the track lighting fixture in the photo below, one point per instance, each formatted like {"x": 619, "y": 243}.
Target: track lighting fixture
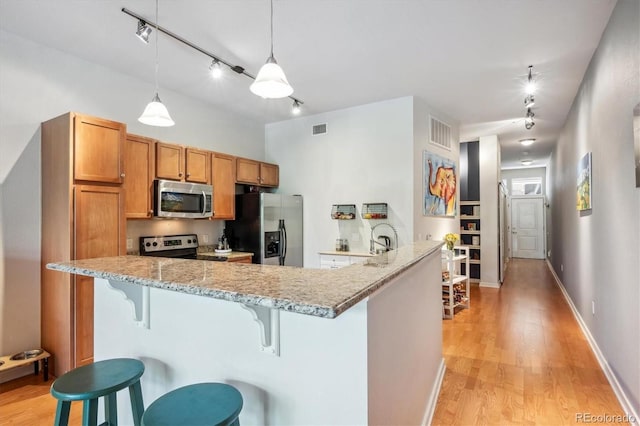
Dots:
{"x": 529, "y": 101}
{"x": 156, "y": 114}
{"x": 530, "y": 88}
{"x": 143, "y": 31}
{"x": 271, "y": 83}
{"x": 527, "y": 142}
{"x": 528, "y": 120}
{"x": 215, "y": 68}
{"x": 272, "y": 78}
{"x": 296, "y": 108}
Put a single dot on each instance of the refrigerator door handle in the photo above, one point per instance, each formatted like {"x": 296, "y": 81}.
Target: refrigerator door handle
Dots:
{"x": 283, "y": 241}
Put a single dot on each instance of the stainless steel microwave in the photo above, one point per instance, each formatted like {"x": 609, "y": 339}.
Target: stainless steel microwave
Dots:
{"x": 182, "y": 199}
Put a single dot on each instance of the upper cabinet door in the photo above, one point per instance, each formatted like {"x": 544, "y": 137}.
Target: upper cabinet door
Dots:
{"x": 198, "y": 167}
{"x": 269, "y": 174}
{"x": 169, "y": 161}
{"x": 247, "y": 171}
{"x": 98, "y": 149}
{"x": 224, "y": 186}
{"x": 139, "y": 173}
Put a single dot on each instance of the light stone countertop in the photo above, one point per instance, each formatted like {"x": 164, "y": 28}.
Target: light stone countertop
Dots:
{"x": 317, "y": 292}
{"x": 346, "y": 253}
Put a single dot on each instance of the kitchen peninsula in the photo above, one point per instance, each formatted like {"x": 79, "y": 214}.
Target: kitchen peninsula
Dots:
{"x": 357, "y": 345}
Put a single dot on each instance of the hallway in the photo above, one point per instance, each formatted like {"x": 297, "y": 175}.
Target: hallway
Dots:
{"x": 518, "y": 356}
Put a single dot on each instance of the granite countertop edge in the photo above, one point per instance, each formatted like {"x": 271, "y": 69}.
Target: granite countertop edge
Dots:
{"x": 290, "y": 304}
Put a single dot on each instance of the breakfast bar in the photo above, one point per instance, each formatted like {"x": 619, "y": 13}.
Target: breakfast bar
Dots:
{"x": 356, "y": 345}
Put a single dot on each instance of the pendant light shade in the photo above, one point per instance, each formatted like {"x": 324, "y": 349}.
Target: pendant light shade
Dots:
{"x": 156, "y": 114}
{"x": 271, "y": 83}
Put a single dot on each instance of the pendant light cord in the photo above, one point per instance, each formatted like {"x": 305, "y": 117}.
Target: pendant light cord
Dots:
{"x": 271, "y": 28}
{"x": 157, "y": 54}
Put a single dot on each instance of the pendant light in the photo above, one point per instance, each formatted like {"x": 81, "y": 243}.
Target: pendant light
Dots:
{"x": 156, "y": 114}
{"x": 271, "y": 83}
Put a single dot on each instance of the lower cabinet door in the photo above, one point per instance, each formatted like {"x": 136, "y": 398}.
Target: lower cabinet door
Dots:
{"x": 100, "y": 231}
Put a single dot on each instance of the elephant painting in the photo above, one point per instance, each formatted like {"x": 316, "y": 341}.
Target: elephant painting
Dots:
{"x": 440, "y": 186}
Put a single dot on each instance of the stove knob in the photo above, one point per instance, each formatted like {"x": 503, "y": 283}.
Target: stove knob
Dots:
{"x": 155, "y": 244}
{"x": 148, "y": 244}
{"x": 188, "y": 241}
{"x": 194, "y": 240}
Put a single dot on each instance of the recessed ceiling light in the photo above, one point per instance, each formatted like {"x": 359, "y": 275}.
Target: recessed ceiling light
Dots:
{"x": 526, "y": 162}
{"x": 527, "y": 142}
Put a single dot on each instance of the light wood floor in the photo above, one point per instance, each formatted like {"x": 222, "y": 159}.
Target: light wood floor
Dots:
{"x": 516, "y": 357}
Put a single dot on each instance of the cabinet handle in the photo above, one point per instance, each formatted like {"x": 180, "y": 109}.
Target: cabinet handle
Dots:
{"x": 121, "y": 175}
{"x": 180, "y": 174}
{"x": 188, "y": 174}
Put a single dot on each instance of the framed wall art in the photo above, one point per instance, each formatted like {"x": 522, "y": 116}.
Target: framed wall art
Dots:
{"x": 583, "y": 194}
{"x": 440, "y": 185}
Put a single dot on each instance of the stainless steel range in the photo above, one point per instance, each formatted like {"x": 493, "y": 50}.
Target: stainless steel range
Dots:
{"x": 180, "y": 246}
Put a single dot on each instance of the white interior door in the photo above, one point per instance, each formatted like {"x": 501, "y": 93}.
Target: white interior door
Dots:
{"x": 527, "y": 227}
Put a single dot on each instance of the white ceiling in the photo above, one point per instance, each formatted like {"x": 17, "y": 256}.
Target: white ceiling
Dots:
{"x": 466, "y": 58}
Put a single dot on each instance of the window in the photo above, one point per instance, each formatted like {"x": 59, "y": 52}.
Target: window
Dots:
{"x": 526, "y": 186}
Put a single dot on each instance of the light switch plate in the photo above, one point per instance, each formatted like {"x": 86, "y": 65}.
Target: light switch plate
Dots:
{"x": 129, "y": 243}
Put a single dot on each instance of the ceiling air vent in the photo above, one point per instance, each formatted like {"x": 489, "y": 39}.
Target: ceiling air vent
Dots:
{"x": 440, "y": 133}
{"x": 320, "y": 129}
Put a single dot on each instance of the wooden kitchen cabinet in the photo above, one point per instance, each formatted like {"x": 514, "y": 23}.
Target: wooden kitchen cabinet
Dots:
{"x": 224, "y": 186}
{"x": 169, "y": 161}
{"x": 139, "y": 168}
{"x": 100, "y": 231}
{"x": 80, "y": 218}
{"x": 98, "y": 149}
{"x": 175, "y": 162}
{"x": 256, "y": 173}
{"x": 198, "y": 165}
{"x": 269, "y": 174}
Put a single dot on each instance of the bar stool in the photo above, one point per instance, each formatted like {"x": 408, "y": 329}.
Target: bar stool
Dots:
{"x": 194, "y": 405}
{"x": 90, "y": 382}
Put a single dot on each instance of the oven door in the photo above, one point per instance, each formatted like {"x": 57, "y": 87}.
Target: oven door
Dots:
{"x": 182, "y": 200}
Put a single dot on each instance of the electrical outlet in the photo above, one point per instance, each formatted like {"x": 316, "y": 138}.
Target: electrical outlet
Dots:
{"x": 593, "y": 307}
{"x": 129, "y": 243}
{"x": 561, "y": 267}
{"x": 204, "y": 238}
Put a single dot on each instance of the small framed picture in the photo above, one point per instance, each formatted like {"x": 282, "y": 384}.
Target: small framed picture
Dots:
{"x": 471, "y": 226}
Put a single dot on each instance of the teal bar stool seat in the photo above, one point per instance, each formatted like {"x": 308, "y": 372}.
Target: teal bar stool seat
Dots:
{"x": 100, "y": 379}
{"x": 194, "y": 405}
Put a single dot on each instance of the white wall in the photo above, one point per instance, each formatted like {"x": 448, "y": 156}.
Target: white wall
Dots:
{"x": 599, "y": 249}
{"x": 365, "y": 156}
{"x": 425, "y": 226}
{"x": 38, "y": 83}
{"x": 489, "y": 158}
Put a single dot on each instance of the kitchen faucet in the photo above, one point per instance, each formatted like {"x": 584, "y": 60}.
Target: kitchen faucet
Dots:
{"x": 387, "y": 240}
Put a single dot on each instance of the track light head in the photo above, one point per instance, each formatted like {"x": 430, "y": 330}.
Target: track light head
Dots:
{"x": 215, "y": 68}
{"x": 529, "y": 101}
{"x": 296, "y": 108}
{"x": 530, "y": 88}
{"x": 143, "y": 31}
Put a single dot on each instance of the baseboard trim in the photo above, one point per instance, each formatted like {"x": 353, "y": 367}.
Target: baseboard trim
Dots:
{"x": 613, "y": 381}
{"x": 489, "y": 285}
{"x": 433, "y": 398}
